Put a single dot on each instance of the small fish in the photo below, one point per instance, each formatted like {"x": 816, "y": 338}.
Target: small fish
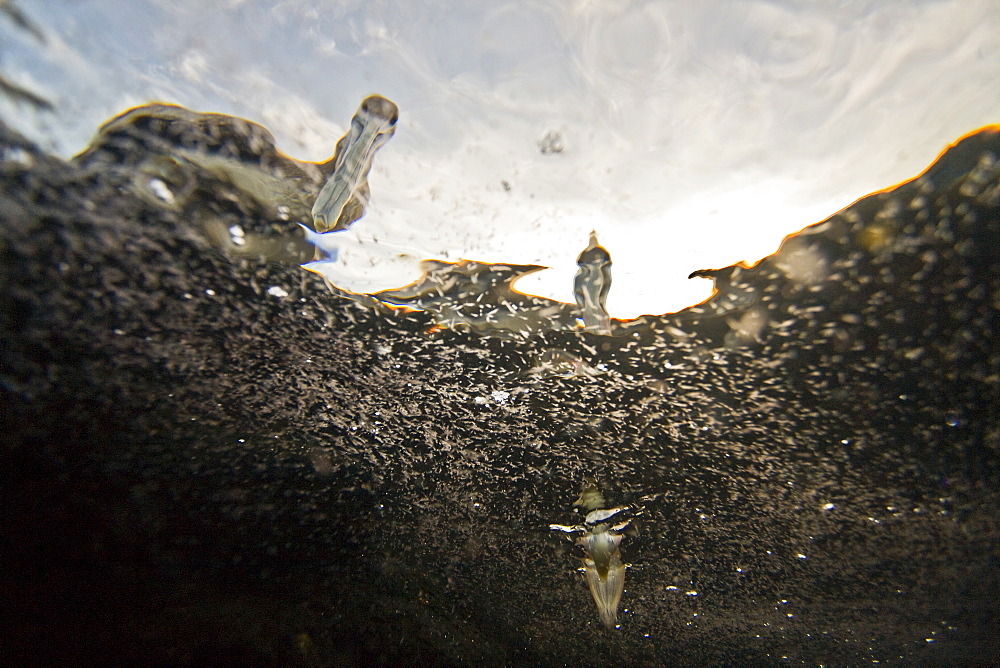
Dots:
{"x": 342, "y": 199}
{"x": 591, "y": 287}
{"x": 601, "y": 535}
{"x": 481, "y": 297}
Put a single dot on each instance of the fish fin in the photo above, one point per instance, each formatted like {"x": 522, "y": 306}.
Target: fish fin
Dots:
{"x": 607, "y": 589}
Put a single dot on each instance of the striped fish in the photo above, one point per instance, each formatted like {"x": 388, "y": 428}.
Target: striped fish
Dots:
{"x": 342, "y": 199}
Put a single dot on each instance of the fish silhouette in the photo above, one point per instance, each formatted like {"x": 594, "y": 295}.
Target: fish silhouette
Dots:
{"x": 600, "y": 536}
{"x": 591, "y": 287}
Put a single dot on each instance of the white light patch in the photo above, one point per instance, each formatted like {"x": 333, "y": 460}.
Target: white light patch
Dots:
{"x": 161, "y": 190}
{"x": 277, "y": 291}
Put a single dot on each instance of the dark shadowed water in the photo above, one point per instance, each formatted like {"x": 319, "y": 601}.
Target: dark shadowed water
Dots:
{"x": 211, "y": 457}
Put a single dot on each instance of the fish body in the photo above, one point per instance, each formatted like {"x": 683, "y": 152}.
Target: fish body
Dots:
{"x": 600, "y": 537}
{"x": 591, "y": 287}
{"x": 342, "y": 199}
{"x": 605, "y": 571}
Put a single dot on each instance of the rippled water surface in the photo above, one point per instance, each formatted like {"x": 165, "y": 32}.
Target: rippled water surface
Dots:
{"x": 693, "y": 135}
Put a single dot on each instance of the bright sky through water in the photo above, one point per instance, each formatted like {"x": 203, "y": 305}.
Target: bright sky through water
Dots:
{"x": 695, "y": 134}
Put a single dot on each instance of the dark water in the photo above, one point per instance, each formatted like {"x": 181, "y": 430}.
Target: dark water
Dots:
{"x": 198, "y": 468}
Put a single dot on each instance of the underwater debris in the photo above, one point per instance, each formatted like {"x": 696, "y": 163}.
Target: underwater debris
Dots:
{"x": 481, "y": 297}
{"x": 591, "y": 287}
{"x": 559, "y": 363}
{"x": 343, "y": 198}
{"x": 551, "y": 143}
{"x": 601, "y": 535}
{"x": 745, "y": 447}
